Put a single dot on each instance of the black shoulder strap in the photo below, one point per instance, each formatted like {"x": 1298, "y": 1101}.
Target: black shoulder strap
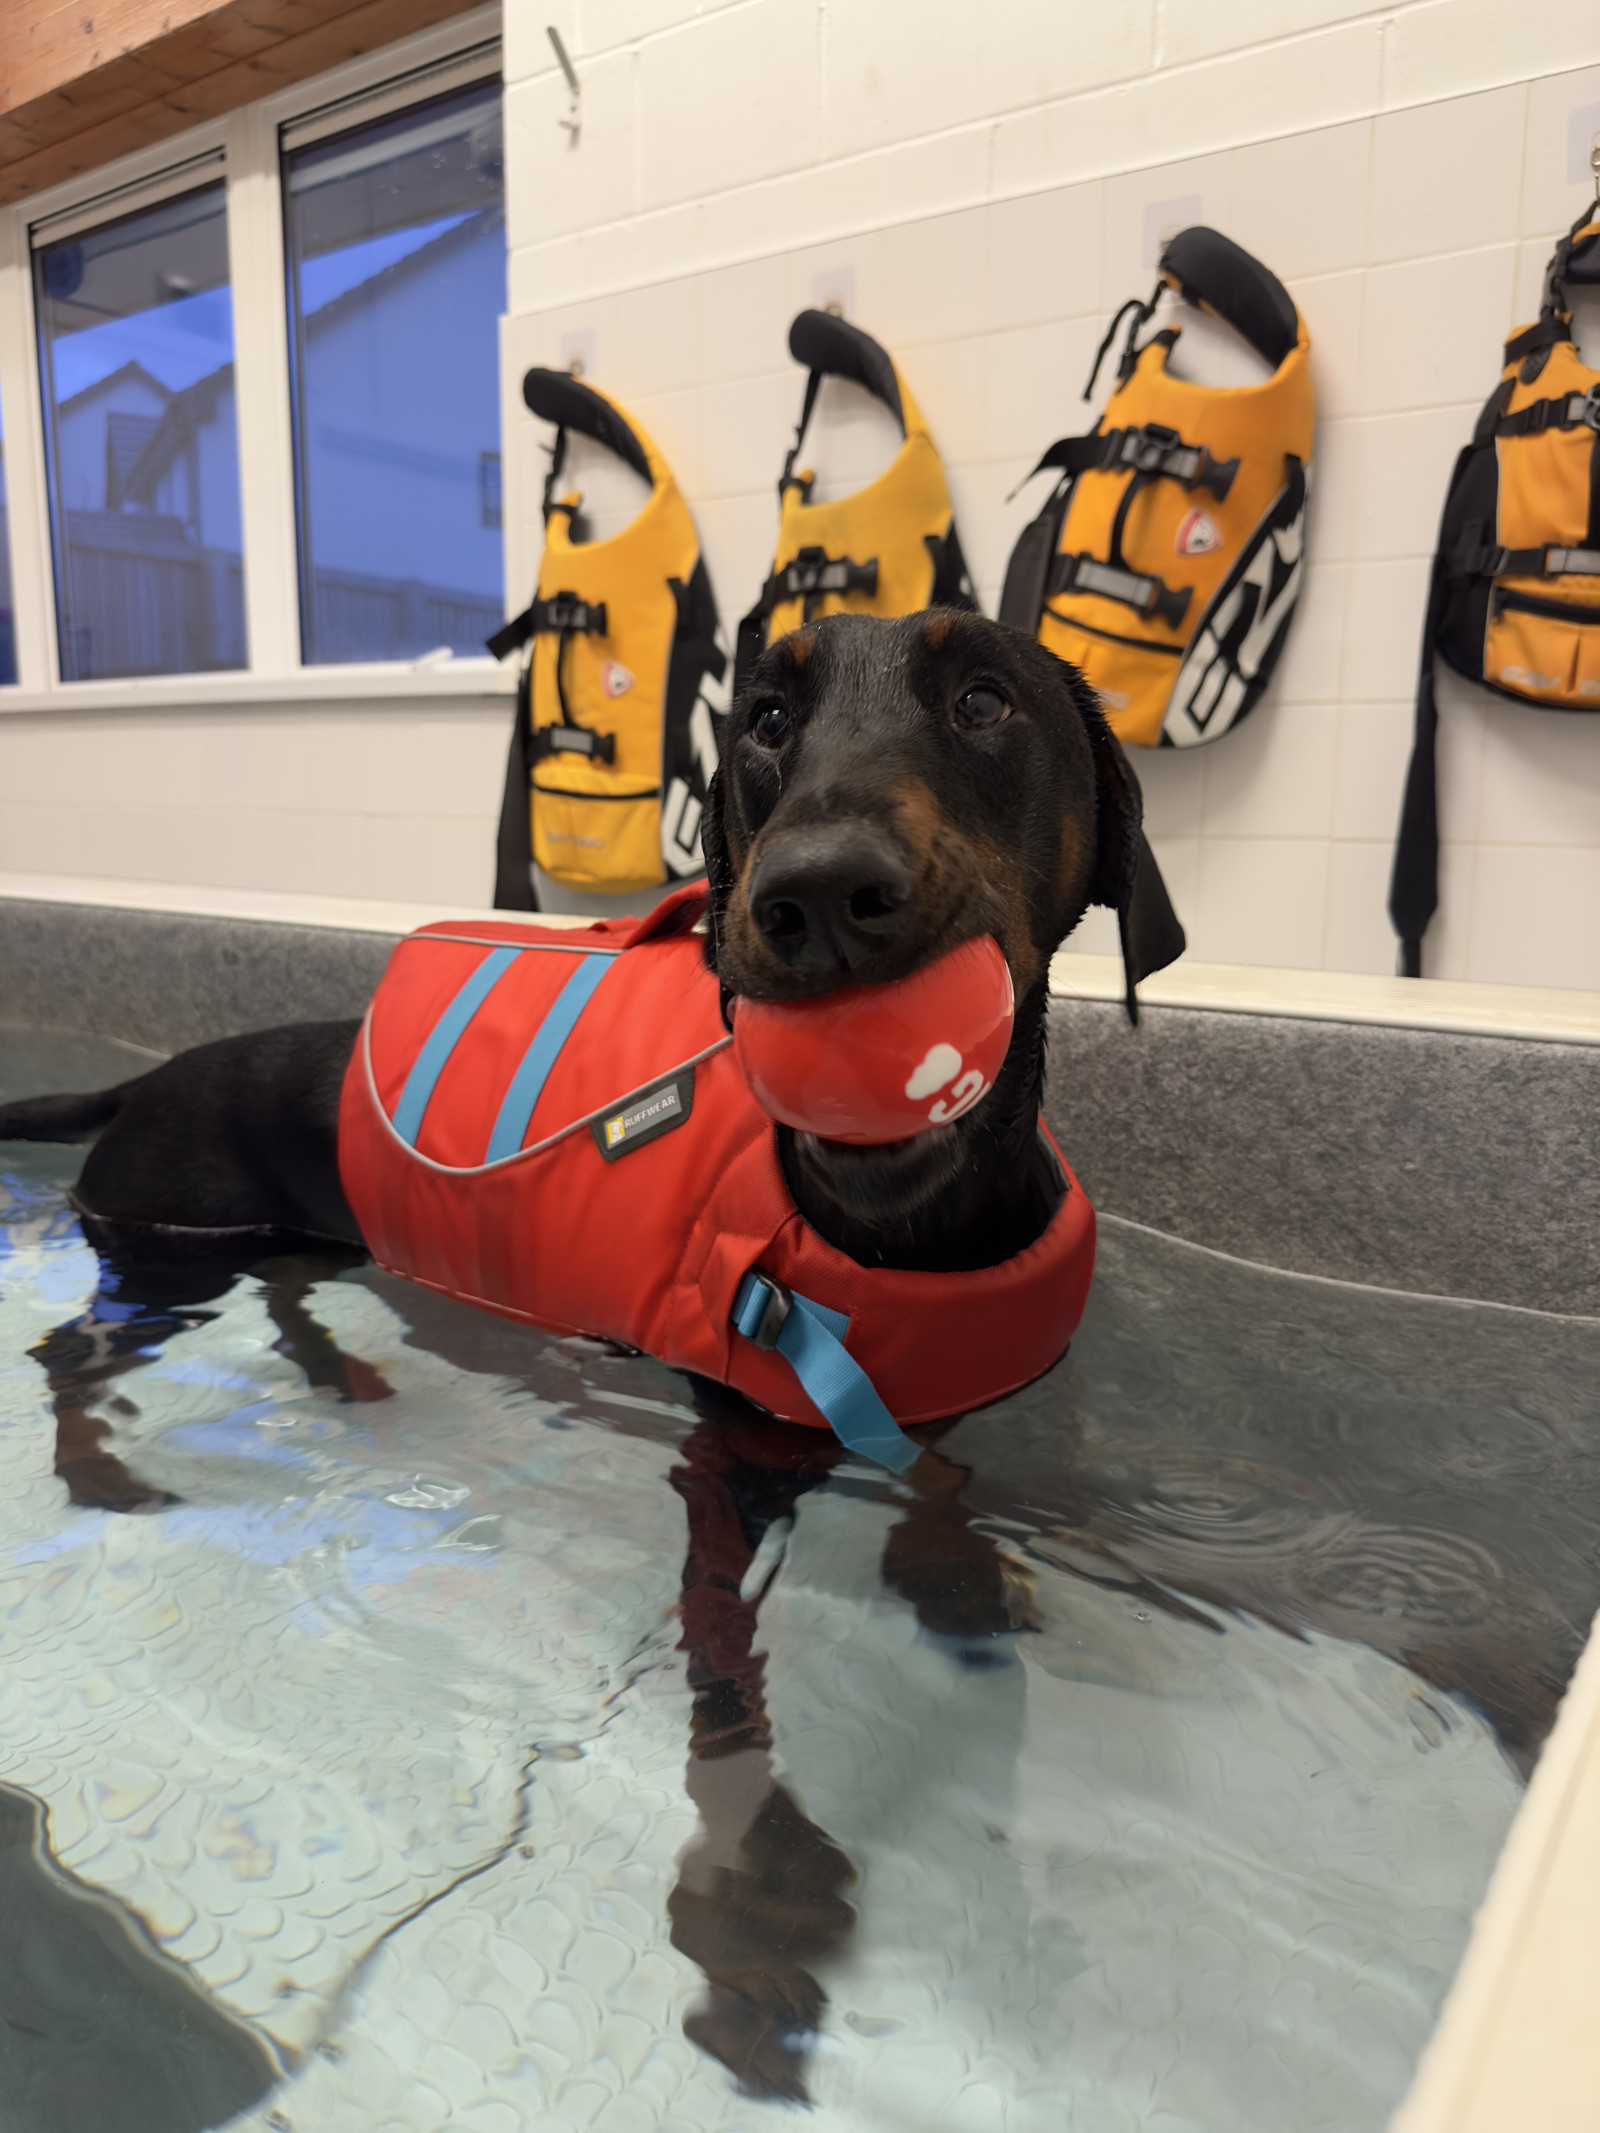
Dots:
{"x": 1414, "y": 883}
{"x": 513, "y": 853}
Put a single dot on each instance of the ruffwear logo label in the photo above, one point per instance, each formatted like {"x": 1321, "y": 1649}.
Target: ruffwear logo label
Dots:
{"x": 615, "y": 678}
{"x": 657, "y": 1111}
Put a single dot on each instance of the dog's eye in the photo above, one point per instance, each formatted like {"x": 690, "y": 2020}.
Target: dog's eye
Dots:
{"x": 979, "y": 708}
{"x": 769, "y": 723}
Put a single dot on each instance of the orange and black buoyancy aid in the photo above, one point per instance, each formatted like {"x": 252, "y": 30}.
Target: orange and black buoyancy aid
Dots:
{"x": 1514, "y": 600}
{"x": 1167, "y": 562}
{"x": 615, "y": 741}
{"x": 550, "y": 1122}
{"x": 891, "y": 547}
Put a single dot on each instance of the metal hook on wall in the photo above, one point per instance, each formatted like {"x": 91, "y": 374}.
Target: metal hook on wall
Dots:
{"x": 573, "y": 121}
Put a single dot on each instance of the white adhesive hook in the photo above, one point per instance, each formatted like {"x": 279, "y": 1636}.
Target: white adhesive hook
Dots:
{"x": 573, "y": 122}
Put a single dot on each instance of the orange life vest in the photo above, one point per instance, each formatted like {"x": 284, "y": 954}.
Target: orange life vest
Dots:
{"x": 550, "y": 1123}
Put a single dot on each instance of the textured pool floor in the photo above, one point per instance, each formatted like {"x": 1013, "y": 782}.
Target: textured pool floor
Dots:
{"x": 466, "y": 1724}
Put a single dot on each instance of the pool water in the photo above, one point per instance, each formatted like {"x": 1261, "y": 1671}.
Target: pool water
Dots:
{"x": 455, "y": 1726}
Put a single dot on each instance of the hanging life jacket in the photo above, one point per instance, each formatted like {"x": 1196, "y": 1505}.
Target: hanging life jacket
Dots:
{"x": 615, "y": 740}
{"x": 891, "y": 548}
{"x": 550, "y": 1122}
{"x": 1514, "y": 599}
{"x": 1167, "y": 562}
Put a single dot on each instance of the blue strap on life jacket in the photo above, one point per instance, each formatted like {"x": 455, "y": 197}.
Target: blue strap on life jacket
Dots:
{"x": 443, "y": 1038}
{"x": 810, "y": 1338}
{"x": 523, "y": 1091}
{"x": 527, "y": 1083}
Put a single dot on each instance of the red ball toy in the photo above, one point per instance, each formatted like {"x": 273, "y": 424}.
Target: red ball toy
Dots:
{"x": 876, "y": 1063}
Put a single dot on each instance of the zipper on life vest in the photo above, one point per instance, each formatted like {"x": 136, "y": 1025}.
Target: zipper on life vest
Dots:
{"x": 563, "y": 792}
{"x": 1553, "y": 610}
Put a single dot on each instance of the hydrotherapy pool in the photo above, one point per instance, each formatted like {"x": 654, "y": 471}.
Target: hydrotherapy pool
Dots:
{"x": 462, "y": 1716}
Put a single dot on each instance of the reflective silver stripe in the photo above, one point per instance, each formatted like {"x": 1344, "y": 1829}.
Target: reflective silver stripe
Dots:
{"x": 1125, "y": 585}
{"x": 1573, "y": 562}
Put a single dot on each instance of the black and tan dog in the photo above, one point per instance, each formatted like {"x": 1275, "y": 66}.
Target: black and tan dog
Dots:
{"x": 889, "y": 789}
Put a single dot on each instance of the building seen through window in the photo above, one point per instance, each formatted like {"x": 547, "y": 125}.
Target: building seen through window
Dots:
{"x": 135, "y": 322}
{"x": 396, "y": 252}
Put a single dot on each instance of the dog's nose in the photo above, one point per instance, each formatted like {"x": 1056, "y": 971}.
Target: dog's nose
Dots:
{"x": 829, "y": 899}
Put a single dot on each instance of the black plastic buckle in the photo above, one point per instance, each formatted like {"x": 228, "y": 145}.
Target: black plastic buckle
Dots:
{"x": 1214, "y": 474}
{"x": 814, "y": 572}
{"x": 565, "y": 612}
{"x": 1589, "y": 408}
{"x": 1146, "y": 449}
{"x": 574, "y": 740}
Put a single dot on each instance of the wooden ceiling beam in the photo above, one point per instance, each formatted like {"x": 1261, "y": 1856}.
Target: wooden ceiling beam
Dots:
{"x": 86, "y": 82}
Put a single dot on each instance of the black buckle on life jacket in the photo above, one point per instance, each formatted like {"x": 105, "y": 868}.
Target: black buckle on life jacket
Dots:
{"x": 1147, "y": 595}
{"x": 1473, "y": 558}
{"x": 1155, "y": 449}
{"x": 814, "y": 574}
{"x": 574, "y": 740}
{"x": 565, "y": 612}
{"x": 1568, "y": 411}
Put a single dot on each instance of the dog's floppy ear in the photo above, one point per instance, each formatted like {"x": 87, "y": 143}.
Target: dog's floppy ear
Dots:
{"x": 1126, "y": 877}
{"x": 720, "y": 875}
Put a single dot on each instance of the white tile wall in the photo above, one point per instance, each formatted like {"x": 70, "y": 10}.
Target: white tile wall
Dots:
{"x": 1410, "y": 231}
{"x": 980, "y": 187}
{"x": 327, "y": 799}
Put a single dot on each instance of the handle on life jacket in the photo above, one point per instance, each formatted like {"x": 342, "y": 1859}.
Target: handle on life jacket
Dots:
{"x": 810, "y": 1338}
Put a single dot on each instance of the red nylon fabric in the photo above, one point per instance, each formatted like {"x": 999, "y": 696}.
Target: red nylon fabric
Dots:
{"x": 650, "y": 1249}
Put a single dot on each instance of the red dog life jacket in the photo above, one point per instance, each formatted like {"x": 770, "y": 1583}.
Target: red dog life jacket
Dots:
{"x": 550, "y": 1122}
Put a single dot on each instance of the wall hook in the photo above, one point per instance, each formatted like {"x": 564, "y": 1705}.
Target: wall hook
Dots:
{"x": 574, "y": 119}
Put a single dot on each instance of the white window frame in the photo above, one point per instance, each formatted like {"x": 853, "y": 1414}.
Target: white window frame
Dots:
{"x": 248, "y": 140}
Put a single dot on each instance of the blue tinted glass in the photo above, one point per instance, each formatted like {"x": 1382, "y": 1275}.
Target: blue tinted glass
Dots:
{"x": 136, "y": 355}
{"x": 397, "y": 278}
{"x": 8, "y": 620}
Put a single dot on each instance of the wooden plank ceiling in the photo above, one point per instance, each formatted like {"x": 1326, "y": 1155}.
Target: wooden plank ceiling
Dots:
{"x": 85, "y": 81}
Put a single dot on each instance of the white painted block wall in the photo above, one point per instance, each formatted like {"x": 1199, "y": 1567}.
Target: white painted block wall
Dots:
{"x": 980, "y": 186}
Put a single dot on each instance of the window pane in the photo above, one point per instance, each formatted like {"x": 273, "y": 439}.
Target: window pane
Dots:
{"x": 397, "y": 278}
{"x": 136, "y": 355}
{"x": 8, "y": 620}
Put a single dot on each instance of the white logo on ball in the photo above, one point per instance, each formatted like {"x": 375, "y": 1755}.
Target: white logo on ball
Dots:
{"x": 942, "y": 1064}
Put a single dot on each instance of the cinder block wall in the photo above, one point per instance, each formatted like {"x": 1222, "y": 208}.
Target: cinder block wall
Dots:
{"x": 981, "y": 187}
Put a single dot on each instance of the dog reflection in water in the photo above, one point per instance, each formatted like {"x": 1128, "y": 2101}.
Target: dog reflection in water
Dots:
{"x": 760, "y": 1900}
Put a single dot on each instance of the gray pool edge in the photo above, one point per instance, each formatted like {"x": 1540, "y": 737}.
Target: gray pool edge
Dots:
{"x": 1435, "y": 1162}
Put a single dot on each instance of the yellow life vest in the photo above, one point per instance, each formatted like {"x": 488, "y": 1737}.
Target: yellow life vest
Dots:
{"x": 1167, "y": 562}
{"x": 1514, "y": 600}
{"x": 615, "y": 742}
{"x": 891, "y": 548}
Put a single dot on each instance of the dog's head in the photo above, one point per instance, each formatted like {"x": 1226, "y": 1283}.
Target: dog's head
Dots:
{"x": 891, "y": 788}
